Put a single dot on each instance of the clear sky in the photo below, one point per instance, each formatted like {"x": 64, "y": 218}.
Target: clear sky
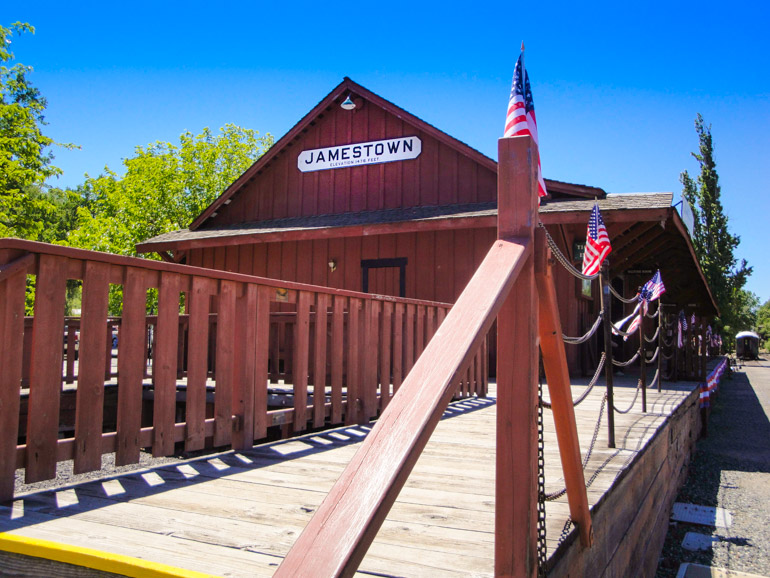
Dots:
{"x": 616, "y": 85}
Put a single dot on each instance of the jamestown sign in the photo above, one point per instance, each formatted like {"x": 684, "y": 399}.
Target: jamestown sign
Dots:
{"x": 365, "y": 153}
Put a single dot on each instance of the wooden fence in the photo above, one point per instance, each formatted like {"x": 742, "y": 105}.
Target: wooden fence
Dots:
{"x": 200, "y": 372}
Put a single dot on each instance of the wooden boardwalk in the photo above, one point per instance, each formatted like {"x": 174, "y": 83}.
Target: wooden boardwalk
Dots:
{"x": 238, "y": 513}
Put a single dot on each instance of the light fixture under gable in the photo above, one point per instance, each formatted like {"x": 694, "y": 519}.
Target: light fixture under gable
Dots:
{"x": 348, "y": 104}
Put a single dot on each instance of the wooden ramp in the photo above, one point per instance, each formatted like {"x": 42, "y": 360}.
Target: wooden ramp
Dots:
{"x": 238, "y": 513}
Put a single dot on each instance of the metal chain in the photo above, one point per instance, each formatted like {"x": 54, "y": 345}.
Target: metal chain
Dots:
{"x": 542, "y": 545}
{"x": 669, "y": 343}
{"x": 624, "y": 363}
{"x": 654, "y": 379}
{"x": 587, "y": 336}
{"x": 669, "y": 356}
{"x": 562, "y": 259}
{"x": 633, "y": 299}
{"x": 589, "y": 387}
{"x": 638, "y": 388}
{"x": 654, "y": 337}
{"x": 654, "y": 357}
{"x": 654, "y": 315}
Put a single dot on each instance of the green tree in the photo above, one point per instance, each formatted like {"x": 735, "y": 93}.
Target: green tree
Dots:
{"x": 714, "y": 244}
{"x": 763, "y": 323}
{"x": 25, "y": 156}
{"x": 164, "y": 188}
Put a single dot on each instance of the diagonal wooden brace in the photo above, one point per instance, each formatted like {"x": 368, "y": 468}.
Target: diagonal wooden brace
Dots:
{"x": 557, "y": 375}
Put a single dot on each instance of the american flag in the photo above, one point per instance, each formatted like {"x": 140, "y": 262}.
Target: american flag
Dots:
{"x": 682, "y": 328}
{"x": 597, "y": 243}
{"x": 654, "y": 288}
{"x": 637, "y": 320}
{"x": 520, "y": 119}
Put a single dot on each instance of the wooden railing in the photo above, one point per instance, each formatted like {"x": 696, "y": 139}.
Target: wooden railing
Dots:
{"x": 201, "y": 378}
{"x": 513, "y": 283}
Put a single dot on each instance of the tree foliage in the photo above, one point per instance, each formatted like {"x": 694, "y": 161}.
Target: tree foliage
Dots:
{"x": 714, "y": 244}
{"x": 165, "y": 186}
{"x": 25, "y": 155}
{"x": 763, "y": 323}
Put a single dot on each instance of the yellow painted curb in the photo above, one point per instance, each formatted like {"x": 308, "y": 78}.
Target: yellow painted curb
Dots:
{"x": 94, "y": 559}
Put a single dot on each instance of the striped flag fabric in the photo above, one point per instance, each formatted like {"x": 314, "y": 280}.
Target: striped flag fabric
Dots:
{"x": 637, "y": 320}
{"x": 682, "y": 326}
{"x": 597, "y": 243}
{"x": 654, "y": 288}
{"x": 520, "y": 119}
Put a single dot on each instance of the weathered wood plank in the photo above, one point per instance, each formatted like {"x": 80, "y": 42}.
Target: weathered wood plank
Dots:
{"x": 319, "y": 359}
{"x": 12, "y": 289}
{"x": 46, "y": 369}
{"x": 337, "y": 356}
{"x": 225, "y": 370}
{"x": 130, "y": 366}
{"x": 301, "y": 357}
{"x": 165, "y": 365}
{"x": 261, "y": 354}
{"x": 197, "y": 361}
{"x": 245, "y": 360}
{"x": 386, "y": 334}
{"x": 90, "y": 394}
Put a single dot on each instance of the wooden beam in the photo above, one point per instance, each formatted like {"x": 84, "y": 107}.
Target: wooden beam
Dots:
{"x": 557, "y": 376}
{"x": 633, "y": 234}
{"x": 517, "y": 368}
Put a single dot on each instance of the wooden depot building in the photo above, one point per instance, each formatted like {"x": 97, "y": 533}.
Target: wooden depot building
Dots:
{"x": 362, "y": 195}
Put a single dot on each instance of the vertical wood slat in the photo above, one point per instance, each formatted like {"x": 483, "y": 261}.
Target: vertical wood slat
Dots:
{"x": 338, "y": 328}
{"x": 369, "y": 383}
{"x": 398, "y": 346}
{"x": 409, "y": 345}
{"x": 165, "y": 365}
{"x": 12, "y": 295}
{"x": 46, "y": 369}
{"x": 386, "y": 333}
{"x": 301, "y": 352}
{"x": 419, "y": 332}
{"x": 199, "y": 304}
{"x": 130, "y": 366}
{"x": 223, "y": 391}
{"x": 261, "y": 353}
{"x": 245, "y": 365}
{"x": 353, "y": 391}
{"x": 90, "y": 393}
{"x": 319, "y": 360}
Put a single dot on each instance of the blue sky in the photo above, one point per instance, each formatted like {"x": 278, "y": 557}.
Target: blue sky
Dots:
{"x": 616, "y": 85}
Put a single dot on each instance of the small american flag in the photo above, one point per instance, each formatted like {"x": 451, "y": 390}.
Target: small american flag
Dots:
{"x": 654, "y": 288}
{"x": 520, "y": 119}
{"x": 637, "y": 320}
{"x": 682, "y": 328}
{"x": 597, "y": 243}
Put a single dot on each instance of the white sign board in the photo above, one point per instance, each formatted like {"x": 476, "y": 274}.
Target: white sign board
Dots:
{"x": 364, "y": 153}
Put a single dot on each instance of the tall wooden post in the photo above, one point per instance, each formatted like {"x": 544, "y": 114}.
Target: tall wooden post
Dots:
{"x": 660, "y": 345}
{"x": 604, "y": 296}
{"x": 642, "y": 357}
{"x": 517, "y": 400}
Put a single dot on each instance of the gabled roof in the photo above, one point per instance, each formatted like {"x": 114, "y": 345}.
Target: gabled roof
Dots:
{"x": 346, "y": 87}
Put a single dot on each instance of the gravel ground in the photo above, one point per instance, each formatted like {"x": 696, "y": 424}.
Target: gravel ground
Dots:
{"x": 731, "y": 469}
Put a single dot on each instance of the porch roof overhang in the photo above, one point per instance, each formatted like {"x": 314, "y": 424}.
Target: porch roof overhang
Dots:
{"x": 647, "y": 234}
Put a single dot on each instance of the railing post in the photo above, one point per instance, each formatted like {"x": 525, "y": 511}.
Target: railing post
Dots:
{"x": 517, "y": 400}
{"x": 643, "y": 356}
{"x": 660, "y": 345}
{"x": 604, "y": 297}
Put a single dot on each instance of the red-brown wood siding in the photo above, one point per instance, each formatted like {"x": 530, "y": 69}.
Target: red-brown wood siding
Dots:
{"x": 440, "y": 175}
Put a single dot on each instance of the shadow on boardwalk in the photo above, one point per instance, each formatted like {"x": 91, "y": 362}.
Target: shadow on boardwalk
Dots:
{"x": 70, "y": 497}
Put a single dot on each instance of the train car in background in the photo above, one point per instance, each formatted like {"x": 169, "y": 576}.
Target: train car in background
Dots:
{"x": 747, "y": 345}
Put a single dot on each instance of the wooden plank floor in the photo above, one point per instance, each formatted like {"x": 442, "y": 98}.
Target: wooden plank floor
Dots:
{"x": 237, "y": 513}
